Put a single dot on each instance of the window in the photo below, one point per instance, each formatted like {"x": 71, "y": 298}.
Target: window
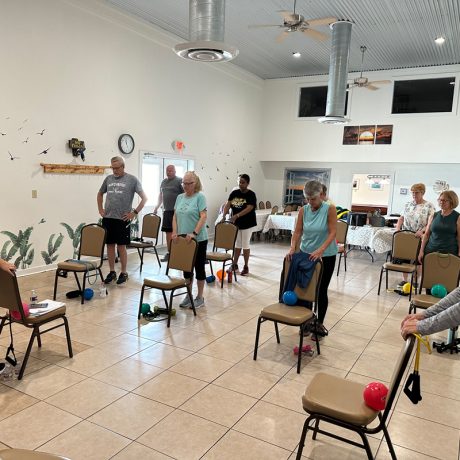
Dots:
{"x": 423, "y": 96}
{"x": 295, "y": 179}
{"x": 312, "y": 102}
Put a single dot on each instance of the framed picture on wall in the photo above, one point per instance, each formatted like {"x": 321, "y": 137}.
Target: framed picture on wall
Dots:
{"x": 376, "y": 186}
{"x": 350, "y": 135}
{"x": 355, "y": 184}
{"x": 366, "y": 135}
{"x": 384, "y": 134}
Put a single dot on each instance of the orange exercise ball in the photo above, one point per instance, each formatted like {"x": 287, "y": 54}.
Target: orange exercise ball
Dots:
{"x": 220, "y": 274}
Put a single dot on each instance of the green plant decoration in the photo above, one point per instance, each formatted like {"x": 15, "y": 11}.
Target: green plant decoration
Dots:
{"x": 74, "y": 235}
{"x": 20, "y": 243}
{"x": 7, "y": 254}
{"x": 50, "y": 256}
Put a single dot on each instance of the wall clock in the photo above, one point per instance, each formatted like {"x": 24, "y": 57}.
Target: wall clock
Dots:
{"x": 126, "y": 143}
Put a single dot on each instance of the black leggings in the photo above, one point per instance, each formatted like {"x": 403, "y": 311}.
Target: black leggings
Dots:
{"x": 200, "y": 262}
{"x": 323, "y": 301}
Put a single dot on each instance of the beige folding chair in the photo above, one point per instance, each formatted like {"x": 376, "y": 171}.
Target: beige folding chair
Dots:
{"x": 261, "y": 205}
{"x": 293, "y": 315}
{"x": 92, "y": 242}
{"x": 341, "y": 237}
{"x": 437, "y": 268}
{"x": 150, "y": 229}
{"x": 224, "y": 238}
{"x": 11, "y": 300}
{"x": 268, "y": 205}
{"x": 339, "y": 401}
{"x": 404, "y": 252}
{"x": 182, "y": 256}
{"x": 274, "y": 209}
{"x": 288, "y": 208}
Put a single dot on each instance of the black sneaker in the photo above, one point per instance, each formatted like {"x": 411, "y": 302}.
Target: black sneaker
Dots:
{"x": 165, "y": 257}
{"x": 122, "y": 278}
{"x": 112, "y": 276}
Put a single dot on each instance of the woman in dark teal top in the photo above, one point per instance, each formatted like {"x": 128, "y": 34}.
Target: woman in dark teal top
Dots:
{"x": 443, "y": 229}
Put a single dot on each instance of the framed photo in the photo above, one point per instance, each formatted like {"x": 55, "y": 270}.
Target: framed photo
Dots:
{"x": 384, "y": 134}
{"x": 376, "y": 186}
{"x": 366, "y": 135}
{"x": 350, "y": 135}
{"x": 355, "y": 184}
{"x": 403, "y": 191}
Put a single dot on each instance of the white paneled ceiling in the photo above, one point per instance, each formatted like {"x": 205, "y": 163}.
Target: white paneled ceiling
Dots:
{"x": 397, "y": 33}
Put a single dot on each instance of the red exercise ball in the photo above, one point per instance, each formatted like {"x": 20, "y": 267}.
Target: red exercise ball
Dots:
{"x": 375, "y": 395}
{"x": 17, "y": 316}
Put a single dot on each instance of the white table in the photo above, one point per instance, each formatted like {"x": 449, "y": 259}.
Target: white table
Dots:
{"x": 377, "y": 239}
{"x": 261, "y": 217}
{"x": 281, "y": 222}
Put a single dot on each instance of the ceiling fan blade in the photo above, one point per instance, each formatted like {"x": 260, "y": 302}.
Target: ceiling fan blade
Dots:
{"x": 282, "y": 36}
{"x": 287, "y": 15}
{"x": 380, "y": 82}
{"x": 315, "y": 34}
{"x": 371, "y": 87}
{"x": 260, "y": 26}
{"x": 320, "y": 22}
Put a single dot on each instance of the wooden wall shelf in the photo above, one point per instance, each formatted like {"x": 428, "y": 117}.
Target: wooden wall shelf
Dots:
{"x": 73, "y": 168}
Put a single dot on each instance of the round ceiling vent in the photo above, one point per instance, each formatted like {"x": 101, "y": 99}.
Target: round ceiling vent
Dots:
{"x": 206, "y": 51}
{"x": 331, "y": 120}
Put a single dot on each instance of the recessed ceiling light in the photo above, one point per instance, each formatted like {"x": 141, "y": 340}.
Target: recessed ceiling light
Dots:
{"x": 296, "y": 54}
{"x": 439, "y": 40}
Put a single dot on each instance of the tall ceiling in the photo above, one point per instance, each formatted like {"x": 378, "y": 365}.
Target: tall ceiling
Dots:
{"x": 397, "y": 33}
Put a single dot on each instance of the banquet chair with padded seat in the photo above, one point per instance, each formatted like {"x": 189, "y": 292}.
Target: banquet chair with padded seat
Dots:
{"x": 437, "y": 268}
{"x": 288, "y": 208}
{"x": 224, "y": 238}
{"x": 150, "y": 229}
{"x": 92, "y": 243}
{"x": 268, "y": 204}
{"x": 296, "y": 315}
{"x": 339, "y": 401}
{"x": 10, "y": 299}
{"x": 261, "y": 205}
{"x": 182, "y": 257}
{"x": 341, "y": 237}
{"x": 405, "y": 247}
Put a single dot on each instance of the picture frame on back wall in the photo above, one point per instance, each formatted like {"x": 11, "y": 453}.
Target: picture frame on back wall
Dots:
{"x": 355, "y": 184}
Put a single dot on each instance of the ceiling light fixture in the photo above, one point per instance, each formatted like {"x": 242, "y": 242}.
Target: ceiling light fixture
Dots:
{"x": 439, "y": 40}
{"x": 383, "y": 179}
{"x": 296, "y": 54}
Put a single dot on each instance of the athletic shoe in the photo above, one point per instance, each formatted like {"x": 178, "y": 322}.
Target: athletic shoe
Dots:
{"x": 320, "y": 331}
{"x": 233, "y": 268}
{"x": 165, "y": 257}
{"x": 186, "y": 302}
{"x": 198, "y": 302}
{"x": 112, "y": 276}
{"x": 122, "y": 278}
{"x": 245, "y": 271}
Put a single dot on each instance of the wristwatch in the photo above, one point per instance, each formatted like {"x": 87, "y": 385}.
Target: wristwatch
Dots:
{"x": 135, "y": 212}
{"x": 195, "y": 233}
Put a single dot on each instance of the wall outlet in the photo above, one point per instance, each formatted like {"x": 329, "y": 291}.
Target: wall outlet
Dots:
{"x": 34, "y": 193}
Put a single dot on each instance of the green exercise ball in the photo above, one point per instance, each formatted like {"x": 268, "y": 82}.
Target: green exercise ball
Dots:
{"x": 438, "y": 290}
{"x": 145, "y": 308}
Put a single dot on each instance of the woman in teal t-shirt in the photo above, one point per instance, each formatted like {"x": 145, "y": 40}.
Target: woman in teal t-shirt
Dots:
{"x": 189, "y": 219}
{"x": 316, "y": 229}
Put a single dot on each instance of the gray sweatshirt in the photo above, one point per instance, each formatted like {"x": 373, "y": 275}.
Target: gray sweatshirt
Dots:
{"x": 442, "y": 315}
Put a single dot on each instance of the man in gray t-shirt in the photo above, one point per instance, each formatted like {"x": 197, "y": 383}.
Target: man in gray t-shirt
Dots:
{"x": 170, "y": 189}
{"x": 119, "y": 188}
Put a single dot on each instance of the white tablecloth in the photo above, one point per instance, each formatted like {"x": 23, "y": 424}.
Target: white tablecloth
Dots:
{"x": 261, "y": 217}
{"x": 281, "y": 222}
{"x": 378, "y": 239}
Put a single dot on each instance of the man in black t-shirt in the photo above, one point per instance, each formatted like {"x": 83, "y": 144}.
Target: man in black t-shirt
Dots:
{"x": 242, "y": 202}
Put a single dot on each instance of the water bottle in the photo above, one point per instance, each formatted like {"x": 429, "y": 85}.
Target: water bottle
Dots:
{"x": 33, "y": 297}
{"x": 229, "y": 276}
{"x": 102, "y": 290}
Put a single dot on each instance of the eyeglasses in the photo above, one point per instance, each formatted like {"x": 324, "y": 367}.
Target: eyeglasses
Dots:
{"x": 188, "y": 183}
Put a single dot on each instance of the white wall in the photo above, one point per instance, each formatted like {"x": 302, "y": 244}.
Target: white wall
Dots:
{"x": 83, "y": 69}
{"x": 364, "y": 194}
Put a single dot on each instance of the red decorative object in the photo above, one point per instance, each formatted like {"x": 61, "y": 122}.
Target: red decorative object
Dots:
{"x": 375, "y": 395}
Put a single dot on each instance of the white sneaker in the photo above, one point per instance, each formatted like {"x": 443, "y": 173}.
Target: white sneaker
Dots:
{"x": 198, "y": 302}
{"x": 186, "y": 302}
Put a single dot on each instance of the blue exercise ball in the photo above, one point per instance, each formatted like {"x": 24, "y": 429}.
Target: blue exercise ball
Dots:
{"x": 88, "y": 294}
{"x": 290, "y": 298}
{"x": 438, "y": 290}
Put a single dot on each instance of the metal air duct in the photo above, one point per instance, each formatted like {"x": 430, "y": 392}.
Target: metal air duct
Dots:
{"x": 206, "y": 28}
{"x": 338, "y": 73}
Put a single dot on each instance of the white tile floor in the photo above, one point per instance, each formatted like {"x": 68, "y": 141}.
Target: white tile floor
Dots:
{"x": 137, "y": 390}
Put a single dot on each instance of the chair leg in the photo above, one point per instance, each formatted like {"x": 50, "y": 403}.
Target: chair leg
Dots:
{"x": 366, "y": 445}
{"x": 189, "y": 290}
{"x": 78, "y": 281}
{"x": 141, "y": 255}
{"x": 4, "y": 318}
{"x": 140, "y": 302}
{"x": 169, "y": 307}
{"x": 256, "y": 344}
{"x": 39, "y": 340}
{"x": 388, "y": 440}
{"x": 299, "y": 355}
{"x": 315, "y": 429}
{"x": 345, "y": 257}
{"x": 83, "y": 288}
{"x": 411, "y": 284}
{"x": 158, "y": 258}
{"x": 317, "y": 341}
{"x": 277, "y": 332}
{"x": 338, "y": 266}
{"x": 380, "y": 281}
{"x": 302, "y": 438}
{"x": 55, "y": 285}
{"x": 165, "y": 299}
{"x": 386, "y": 279}
{"x": 26, "y": 356}
{"x": 210, "y": 266}
{"x": 222, "y": 280}
{"x": 67, "y": 334}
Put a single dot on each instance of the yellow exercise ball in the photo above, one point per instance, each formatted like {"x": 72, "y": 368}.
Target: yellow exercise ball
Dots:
{"x": 406, "y": 288}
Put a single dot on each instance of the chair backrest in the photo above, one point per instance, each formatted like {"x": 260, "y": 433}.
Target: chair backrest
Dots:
{"x": 288, "y": 208}
{"x": 398, "y": 374}
{"x": 92, "y": 241}
{"x": 151, "y": 226}
{"x": 225, "y": 234}
{"x": 442, "y": 269}
{"x": 268, "y": 205}
{"x": 274, "y": 209}
{"x": 405, "y": 245}
{"x": 10, "y": 297}
{"x": 295, "y": 207}
{"x": 261, "y": 205}
{"x": 357, "y": 219}
{"x": 311, "y": 292}
{"x": 377, "y": 221}
{"x": 342, "y": 230}
{"x": 182, "y": 254}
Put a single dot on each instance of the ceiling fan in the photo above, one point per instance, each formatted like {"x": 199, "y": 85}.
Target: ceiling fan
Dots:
{"x": 363, "y": 82}
{"x": 294, "y": 22}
